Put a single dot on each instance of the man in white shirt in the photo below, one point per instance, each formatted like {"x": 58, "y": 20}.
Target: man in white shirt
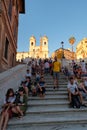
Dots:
{"x": 73, "y": 90}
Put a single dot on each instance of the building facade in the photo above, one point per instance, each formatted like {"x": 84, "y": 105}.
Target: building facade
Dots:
{"x": 81, "y": 49}
{"x": 21, "y": 56}
{"x": 9, "y": 17}
{"x": 40, "y": 51}
{"x": 69, "y": 55}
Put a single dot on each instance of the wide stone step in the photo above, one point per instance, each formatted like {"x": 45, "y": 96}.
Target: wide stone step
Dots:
{"x": 47, "y": 102}
{"x": 81, "y": 126}
{"x": 51, "y": 84}
{"x": 52, "y": 97}
{"x": 51, "y": 87}
{"x": 48, "y": 76}
{"x": 55, "y": 109}
{"x": 56, "y": 93}
{"x": 60, "y": 86}
{"x": 57, "y": 89}
{"x": 60, "y": 81}
{"x": 28, "y": 120}
{"x": 51, "y": 79}
{"x": 51, "y": 103}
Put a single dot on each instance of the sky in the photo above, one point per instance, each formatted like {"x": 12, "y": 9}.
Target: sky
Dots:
{"x": 57, "y": 19}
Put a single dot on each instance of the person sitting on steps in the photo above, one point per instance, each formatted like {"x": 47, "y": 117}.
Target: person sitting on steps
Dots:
{"x": 21, "y": 100}
{"x": 41, "y": 87}
{"x": 9, "y": 108}
{"x": 73, "y": 90}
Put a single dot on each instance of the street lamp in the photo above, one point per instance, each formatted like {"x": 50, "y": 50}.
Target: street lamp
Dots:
{"x": 62, "y": 43}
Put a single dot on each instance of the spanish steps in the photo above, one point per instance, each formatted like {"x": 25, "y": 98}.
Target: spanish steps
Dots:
{"x": 49, "y": 113}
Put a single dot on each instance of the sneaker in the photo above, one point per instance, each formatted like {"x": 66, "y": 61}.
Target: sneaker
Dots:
{"x": 84, "y": 105}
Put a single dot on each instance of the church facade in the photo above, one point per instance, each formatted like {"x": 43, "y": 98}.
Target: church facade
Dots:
{"x": 35, "y": 51}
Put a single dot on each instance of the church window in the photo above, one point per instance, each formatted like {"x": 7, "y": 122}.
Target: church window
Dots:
{"x": 31, "y": 43}
{"x": 44, "y": 43}
{"x": 6, "y": 49}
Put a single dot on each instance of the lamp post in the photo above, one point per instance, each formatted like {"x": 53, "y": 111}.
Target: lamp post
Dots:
{"x": 62, "y": 43}
{"x": 63, "y": 58}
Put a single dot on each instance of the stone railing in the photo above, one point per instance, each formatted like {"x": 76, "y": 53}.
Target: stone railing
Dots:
{"x": 6, "y": 75}
{"x": 11, "y": 79}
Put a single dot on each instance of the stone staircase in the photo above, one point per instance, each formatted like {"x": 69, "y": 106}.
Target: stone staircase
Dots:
{"x": 51, "y": 112}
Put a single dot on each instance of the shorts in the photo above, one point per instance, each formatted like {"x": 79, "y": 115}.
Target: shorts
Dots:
{"x": 56, "y": 75}
{"x": 43, "y": 90}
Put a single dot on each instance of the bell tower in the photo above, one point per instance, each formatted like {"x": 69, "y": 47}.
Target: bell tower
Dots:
{"x": 44, "y": 45}
{"x": 32, "y": 46}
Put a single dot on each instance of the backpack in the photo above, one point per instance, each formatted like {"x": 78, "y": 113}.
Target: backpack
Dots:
{"x": 75, "y": 101}
{"x": 17, "y": 100}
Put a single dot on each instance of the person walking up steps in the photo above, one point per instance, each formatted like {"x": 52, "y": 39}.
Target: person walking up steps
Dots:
{"x": 56, "y": 66}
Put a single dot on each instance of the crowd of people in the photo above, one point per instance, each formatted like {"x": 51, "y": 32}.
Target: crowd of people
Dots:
{"x": 33, "y": 84}
{"x": 15, "y": 103}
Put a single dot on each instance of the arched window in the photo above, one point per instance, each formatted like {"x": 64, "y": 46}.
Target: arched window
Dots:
{"x": 44, "y": 43}
{"x": 32, "y": 43}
